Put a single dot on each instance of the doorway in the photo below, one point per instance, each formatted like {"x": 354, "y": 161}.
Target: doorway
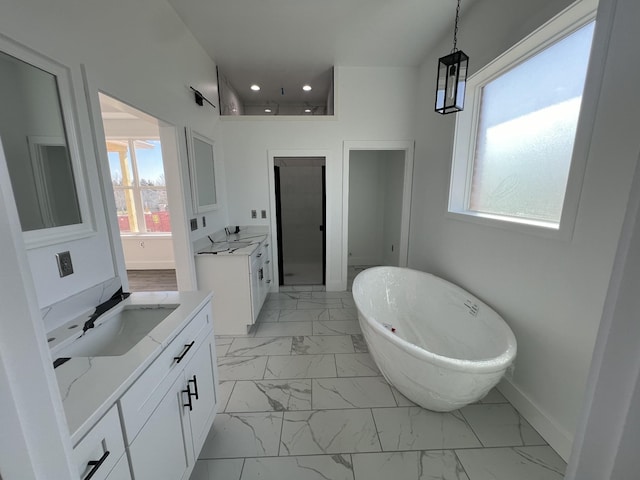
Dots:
{"x": 136, "y": 164}
{"x": 300, "y": 201}
{"x": 377, "y": 183}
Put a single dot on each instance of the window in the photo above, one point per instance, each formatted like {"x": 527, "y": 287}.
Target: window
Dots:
{"x": 139, "y": 186}
{"x": 514, "y": 145}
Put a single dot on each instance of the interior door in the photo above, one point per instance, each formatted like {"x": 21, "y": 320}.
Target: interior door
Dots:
{"x": 300, "y": 210}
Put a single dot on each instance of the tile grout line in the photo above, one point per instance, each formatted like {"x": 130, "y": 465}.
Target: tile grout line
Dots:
{"x": 470, "y": 427}
{"x": 244, "y": 461}
{"x": 375, "y": 425}
{"x": 280, "y": 437}
{"x": 264, "y": 372}
{"x": 353, "y": 467}
{"x": 226, "y": 404}
{"x": 455, "y": 454}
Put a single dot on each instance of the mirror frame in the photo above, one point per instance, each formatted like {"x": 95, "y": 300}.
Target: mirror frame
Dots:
{"x": 51, "y": 236}
{"x": 197, "y": 208}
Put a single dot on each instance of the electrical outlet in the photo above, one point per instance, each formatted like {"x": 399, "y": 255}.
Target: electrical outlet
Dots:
{"x": 65, "y": 267}
{"x": 194, "y": 224}
{"x": 204, "y": 221}
{"x": 263, "y": 213}
{"x": 254, "y": 214}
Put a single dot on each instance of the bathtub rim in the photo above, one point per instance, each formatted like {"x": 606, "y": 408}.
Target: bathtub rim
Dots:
{"x": 490, "y": 365}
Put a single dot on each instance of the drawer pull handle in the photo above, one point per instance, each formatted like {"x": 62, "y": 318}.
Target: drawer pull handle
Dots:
{"x": 268, "y": 281}
{"x": 187, "y": 348}
{"x": 267, "y": 262}
{"x": 96, "y": 465}
{"x": 259, "y": 255}
{"x": 188, "y": 404}
{"x": 194, "y": 380}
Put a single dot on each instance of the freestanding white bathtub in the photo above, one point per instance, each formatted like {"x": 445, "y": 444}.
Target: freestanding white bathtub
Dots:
{"x": 437, "y": 344}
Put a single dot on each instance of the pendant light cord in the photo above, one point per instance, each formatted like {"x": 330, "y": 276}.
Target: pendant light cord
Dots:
{"x": 455, "y": 30}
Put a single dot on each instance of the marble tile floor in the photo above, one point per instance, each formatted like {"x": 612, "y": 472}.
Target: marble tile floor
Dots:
{"x": 302, "y": 399}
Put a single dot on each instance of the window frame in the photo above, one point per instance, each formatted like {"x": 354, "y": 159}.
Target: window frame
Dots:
{"x": 137, "y": 189}
{"x": 466, "y": 130}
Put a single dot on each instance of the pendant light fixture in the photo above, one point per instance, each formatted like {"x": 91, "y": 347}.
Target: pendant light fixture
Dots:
{"x": 452, "y": 77}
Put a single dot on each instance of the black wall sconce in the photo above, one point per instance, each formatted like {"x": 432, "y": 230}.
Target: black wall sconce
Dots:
{"x": 200, "y": 99}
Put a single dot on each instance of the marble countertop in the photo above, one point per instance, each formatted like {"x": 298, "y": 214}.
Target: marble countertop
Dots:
{"x": 89, "y": 386}
{"x": 226, "y": 246}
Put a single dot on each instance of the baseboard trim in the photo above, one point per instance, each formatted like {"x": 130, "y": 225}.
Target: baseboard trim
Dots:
{"x": 364, "y": 261}
{"x": 335, "y": 286}
{"x": 558, "y": 438}
{"x": 150, "y": 265}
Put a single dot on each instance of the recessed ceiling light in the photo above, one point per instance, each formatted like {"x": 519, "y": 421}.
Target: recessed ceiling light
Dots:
{"x": 255, "y": 87}
{"x": 307, "y": 110}
{"x": 306, "y": 88}
{"x": 267, "y": 110}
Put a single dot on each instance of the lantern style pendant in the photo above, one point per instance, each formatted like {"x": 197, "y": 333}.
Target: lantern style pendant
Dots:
{"x": 452, "y": 77}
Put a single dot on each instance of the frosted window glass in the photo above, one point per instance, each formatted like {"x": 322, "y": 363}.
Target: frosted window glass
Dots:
{"x": 526, "y": 131}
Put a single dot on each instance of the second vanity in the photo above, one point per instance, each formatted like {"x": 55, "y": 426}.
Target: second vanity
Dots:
{"x": 238, "y": 268}
{"x": 142, "y": 411}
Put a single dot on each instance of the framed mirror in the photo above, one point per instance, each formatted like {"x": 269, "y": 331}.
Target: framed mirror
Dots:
{"x": 40, "y": 142}
{"x": 202, "y": 172}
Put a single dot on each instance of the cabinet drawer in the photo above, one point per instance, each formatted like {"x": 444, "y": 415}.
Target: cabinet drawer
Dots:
{"x": 137, "y": 404}
{"x": 99, "y": 451}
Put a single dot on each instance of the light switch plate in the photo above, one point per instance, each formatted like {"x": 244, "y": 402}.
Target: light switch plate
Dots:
{"x": 65, "y": 267}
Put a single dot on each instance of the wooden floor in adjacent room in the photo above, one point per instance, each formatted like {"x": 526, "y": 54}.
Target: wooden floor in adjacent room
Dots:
{"x": 152, "y": 280}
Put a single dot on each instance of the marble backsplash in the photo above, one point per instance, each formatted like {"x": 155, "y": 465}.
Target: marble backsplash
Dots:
{"x": 76, "y": 305}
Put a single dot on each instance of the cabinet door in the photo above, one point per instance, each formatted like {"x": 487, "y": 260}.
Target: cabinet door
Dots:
{"x": 121, "y": 470}
{"x": 256, "y": 284}
{"x": 162, "y": 448}
{"x": 200, "y": 375}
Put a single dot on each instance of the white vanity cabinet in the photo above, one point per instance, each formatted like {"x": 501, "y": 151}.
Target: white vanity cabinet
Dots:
{"x": 240, "y": 284}
{"x": 169, "y": 410}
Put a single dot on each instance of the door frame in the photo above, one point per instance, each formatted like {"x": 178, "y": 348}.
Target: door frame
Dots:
{"x": 271, "y": 156}
{"x": 173, "y": 148}
{"x": 408, "y": 147}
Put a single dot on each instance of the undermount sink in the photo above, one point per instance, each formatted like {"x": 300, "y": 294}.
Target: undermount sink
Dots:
{"x": 117, "y": 332}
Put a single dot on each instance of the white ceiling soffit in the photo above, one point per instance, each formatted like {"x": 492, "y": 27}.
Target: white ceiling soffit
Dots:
{"x": 301, "y": 39}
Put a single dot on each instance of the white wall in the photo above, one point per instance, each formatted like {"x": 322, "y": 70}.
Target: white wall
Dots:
{"x": 551, "y": 292}
{"x": 372, "y": 104}
{"x": 34, "y": 443}
{"x": 140, "y": 53}
{"x": 148, "y": 253}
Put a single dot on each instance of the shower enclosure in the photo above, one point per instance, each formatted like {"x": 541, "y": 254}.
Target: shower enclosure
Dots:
{"x": 300, "y": 210}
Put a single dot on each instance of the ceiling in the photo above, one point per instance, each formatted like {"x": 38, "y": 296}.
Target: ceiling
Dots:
{"x": 277, "y": 43}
